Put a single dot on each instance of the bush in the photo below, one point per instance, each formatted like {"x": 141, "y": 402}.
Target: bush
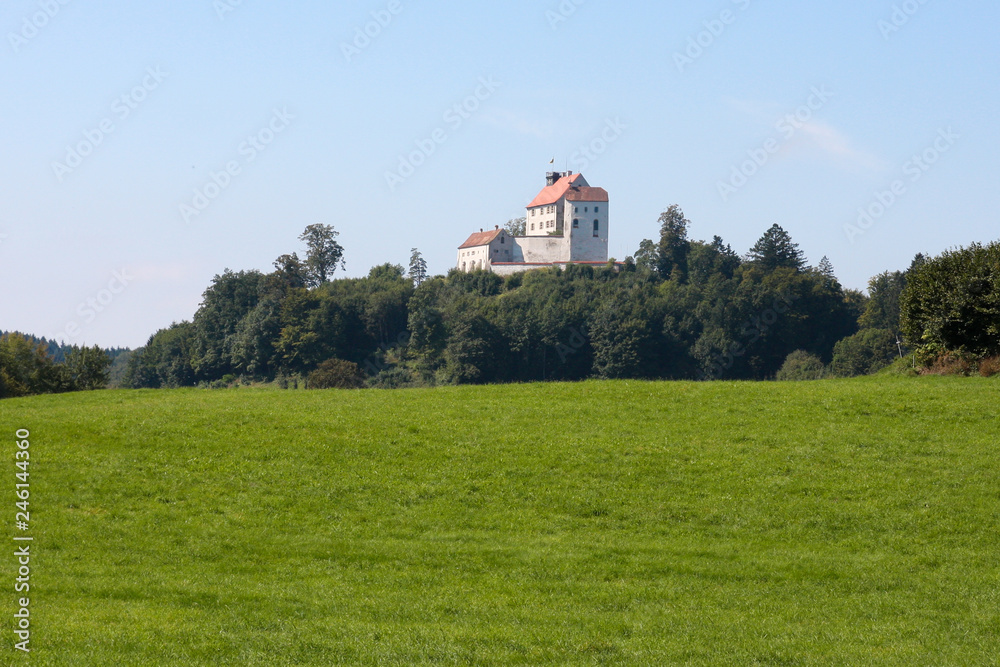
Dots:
{"x": 392, "y": 378}
{"x": 800, "y": 365}
{"x": 989, "y": 367}
{"x": 866, "y": 352}
{"x": 952, "y": 363}
{"x": 336, "y": 374}
{"x": 905, "y": 367}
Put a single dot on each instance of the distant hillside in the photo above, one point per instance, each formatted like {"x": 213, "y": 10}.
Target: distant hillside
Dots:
{"x": 58, "y": 351}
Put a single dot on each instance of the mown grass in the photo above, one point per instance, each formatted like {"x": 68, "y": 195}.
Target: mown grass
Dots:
{"x": 835, "y": 522}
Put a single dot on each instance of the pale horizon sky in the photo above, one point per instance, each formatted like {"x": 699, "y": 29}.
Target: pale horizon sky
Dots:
{"x": 122, "y": 120}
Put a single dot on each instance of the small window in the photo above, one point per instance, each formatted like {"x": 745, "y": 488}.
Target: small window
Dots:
{"x": 586, "y": 209}
{"x": 532, "y": 226}
{"x": 596, "y": 209}
{"x": 503, "y": 239}
{"x": 597, "y": 228}
{"x": 576, "y": 223}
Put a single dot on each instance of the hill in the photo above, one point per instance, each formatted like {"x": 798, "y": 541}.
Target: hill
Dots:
{"x": 834, "y": 522}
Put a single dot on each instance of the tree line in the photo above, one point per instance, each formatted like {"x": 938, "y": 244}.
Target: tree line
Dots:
{"x": 30, "y": 365}
{"x": 678, "y": 309}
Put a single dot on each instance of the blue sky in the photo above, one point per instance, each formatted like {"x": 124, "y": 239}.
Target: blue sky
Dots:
{"x": 745, "y": 113}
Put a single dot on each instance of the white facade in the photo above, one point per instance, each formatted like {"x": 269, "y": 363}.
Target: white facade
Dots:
{"x": 566, "y": 222}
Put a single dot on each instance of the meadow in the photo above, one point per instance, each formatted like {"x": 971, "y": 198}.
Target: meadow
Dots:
{"x": 838, "y": 522}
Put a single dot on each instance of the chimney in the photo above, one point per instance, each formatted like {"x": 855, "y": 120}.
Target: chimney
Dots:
{"x": 497, "y": 227}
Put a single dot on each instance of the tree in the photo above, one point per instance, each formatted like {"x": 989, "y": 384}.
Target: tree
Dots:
{"x": 88, "y": 368}
{"x": 825, "y": 269}
{"x": 229, "y": 299}
{"x": 165, "y": 361}
{"x": 27, "y": 368}
{"x": 775, "y": 249}
{"x": 471, "y": 354}
{"x": 418, "y": 268}
{"x": 517, "y": 226}
{"x": 645, "y": 256}
{"x": 951, "y": 303}
{"x": 882, "y": 308}
{"x": 290, "y": 272}
{"x": 15, "y": 366}
{"x": 673, "y": 248}
{"x": 323, "y": 255}
{"x": 619, "y": 346}
{"x": 706, "y": 261}
{"x": 252, "y": 350}
{"x": 866, "y": 352}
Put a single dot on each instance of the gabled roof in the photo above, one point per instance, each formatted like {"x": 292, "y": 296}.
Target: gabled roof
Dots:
{"x": 587, "y": 194}
{"x": 553, "y": 193}
{"x": 481, "y": 238}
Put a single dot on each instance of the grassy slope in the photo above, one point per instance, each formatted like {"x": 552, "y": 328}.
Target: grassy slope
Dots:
{"x": 838, "y": 522}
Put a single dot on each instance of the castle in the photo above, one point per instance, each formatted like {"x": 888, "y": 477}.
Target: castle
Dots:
{"x": 566, "y": 223}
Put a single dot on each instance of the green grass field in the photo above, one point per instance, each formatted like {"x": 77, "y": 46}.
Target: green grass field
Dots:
{"x": 827, "y": 523}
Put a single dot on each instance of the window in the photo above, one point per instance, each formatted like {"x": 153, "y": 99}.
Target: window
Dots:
{"x": 503, "y": 239}
{"x": 576, "y": 223}
{"x": 586, "y": 209}
{"x": 532, "y": 226}
{"x": 597, "y": 228}
{"x": 533, "y": 212}
{"x": 596, "y": 209}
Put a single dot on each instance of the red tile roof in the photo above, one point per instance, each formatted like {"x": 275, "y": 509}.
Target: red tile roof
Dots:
{"x": 564, "y": 188}
{"x": 587, "y": 194}
{"x": 481, "y": 238}
{"x": 553, "y": 193}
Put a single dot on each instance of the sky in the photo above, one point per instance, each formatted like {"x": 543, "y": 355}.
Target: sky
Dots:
{"x": 147, "y": 147}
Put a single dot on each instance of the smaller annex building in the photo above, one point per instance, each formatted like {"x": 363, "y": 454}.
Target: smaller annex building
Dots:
{"x": 566, "y": 223}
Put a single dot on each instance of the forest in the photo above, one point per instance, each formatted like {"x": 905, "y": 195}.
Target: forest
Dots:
{"x": 678, "y": 309}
